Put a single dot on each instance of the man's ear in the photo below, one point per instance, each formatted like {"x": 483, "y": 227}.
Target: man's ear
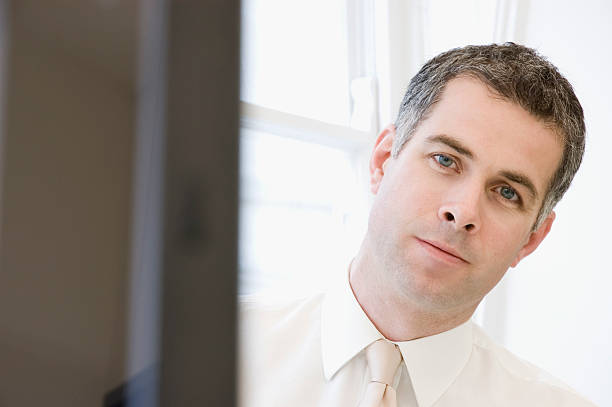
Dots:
{"x": 380, "y": 155}
{"x": 535, "y": 238}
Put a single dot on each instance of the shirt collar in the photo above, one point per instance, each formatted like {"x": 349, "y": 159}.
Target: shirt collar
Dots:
{"x": 433, "y": 362}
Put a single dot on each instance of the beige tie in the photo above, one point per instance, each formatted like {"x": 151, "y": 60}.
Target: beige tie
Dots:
{"x": 383, "y": 358}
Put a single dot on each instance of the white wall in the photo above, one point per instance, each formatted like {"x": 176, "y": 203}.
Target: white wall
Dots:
{"x": 555, "y": 309}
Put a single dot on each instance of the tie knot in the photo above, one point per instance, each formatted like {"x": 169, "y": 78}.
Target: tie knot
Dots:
{"x": 383, "y": 359}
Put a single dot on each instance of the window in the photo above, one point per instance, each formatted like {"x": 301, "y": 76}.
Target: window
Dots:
{"x": 294, "y": 57}
{"x": 308, "y": 122}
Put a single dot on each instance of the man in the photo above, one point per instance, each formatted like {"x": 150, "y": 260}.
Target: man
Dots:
{"x": 487, "y": 140}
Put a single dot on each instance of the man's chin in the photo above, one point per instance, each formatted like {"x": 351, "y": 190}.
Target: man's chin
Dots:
{"x": 427, "y": 292}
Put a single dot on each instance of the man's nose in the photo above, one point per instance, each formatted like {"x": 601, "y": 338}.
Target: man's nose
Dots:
{"x": 462, "y": 210}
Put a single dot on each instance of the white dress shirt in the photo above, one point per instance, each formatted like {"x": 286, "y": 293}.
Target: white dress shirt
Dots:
{"x": 310, "y": 352}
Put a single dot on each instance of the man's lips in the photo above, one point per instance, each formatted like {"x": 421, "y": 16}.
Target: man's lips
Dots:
{"x": 444, "y": 248}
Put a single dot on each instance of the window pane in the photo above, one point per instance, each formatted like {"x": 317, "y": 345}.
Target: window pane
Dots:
{"x": 295, "y": 57}
{"x": 450, "y": 24}
{"x": 298, "y": 204}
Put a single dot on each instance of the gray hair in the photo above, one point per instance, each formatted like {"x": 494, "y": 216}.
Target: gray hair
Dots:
{"x": 518, "y": 74}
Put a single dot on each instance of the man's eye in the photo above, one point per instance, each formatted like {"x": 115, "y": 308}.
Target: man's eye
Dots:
{"x": 444, "y": 160}
{"x": 508, "y": 193}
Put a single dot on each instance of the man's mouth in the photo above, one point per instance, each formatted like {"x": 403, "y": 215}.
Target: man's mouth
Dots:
{"x": 444, "y": 249}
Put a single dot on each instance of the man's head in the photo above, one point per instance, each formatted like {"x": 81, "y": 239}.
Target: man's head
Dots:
{"x": 483, "y": 140}
{"x": 515, "y": 73}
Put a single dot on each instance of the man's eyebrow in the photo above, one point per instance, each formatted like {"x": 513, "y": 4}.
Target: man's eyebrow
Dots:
{"x": 452, "y": 143}
{"x": 523, "y": 180}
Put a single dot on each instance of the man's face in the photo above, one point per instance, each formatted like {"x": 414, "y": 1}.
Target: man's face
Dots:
{"x": 456, "y": 208}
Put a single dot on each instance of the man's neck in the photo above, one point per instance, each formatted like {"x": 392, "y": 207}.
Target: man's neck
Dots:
{"x": 395, "y": 316}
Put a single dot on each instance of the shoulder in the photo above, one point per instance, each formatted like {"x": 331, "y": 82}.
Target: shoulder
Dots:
{"x": 521, "y": 377}
{"x": 271, "y": 314}
{"x": 276, "y": 302}
{"x": 276, "y": 336}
